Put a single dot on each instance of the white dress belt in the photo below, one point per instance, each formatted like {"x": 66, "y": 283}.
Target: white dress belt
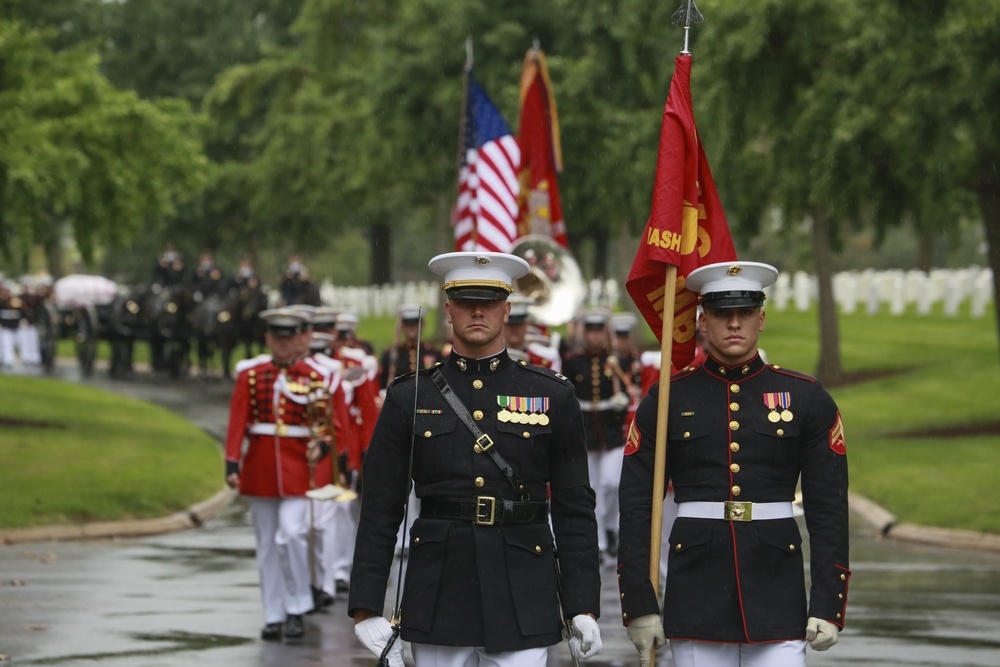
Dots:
{"x": 283, "y": 430}
{"x": 734, "y": 510}
{"x": 596, "y": 406}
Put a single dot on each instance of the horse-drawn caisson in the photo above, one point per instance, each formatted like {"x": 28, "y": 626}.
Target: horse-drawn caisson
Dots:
{"x": 166, "y": 317}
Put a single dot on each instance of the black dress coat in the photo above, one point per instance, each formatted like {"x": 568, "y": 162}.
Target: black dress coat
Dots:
{"x": 739, "y": 581}
{"x": 468, "y": 584}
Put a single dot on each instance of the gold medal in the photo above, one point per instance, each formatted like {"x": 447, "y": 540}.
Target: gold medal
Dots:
{"x": 532, "y": 418}
{"x": 543, "y": 419}
{"x": 503, "y": 416}
{"x": 786, "y": 415}
{"x": 773, "y": 416}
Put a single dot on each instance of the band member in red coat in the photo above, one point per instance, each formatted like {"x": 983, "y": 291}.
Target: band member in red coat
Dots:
{"x": 282, "y": 407}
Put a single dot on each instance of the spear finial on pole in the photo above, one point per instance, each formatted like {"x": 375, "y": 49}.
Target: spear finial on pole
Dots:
{"x": 689, "y": 15}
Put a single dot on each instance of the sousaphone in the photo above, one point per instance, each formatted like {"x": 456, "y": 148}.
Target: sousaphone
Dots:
{"x": 554, "y": 280}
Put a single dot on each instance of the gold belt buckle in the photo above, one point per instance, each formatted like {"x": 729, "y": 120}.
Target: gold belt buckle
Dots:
{"x": 485, "y": 509}
{"x": 281, "y": 429}
{"x": 736, "y": 510}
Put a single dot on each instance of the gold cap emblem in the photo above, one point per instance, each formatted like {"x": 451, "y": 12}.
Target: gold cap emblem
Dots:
{"x": 734, "y": 270}
{"x": 482, "y": 259}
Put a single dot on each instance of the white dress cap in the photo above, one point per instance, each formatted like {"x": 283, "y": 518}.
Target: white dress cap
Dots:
{"x": 623, "y": 322}
{"x": 732, "y": 284}
{"x": 485, "y": 276}
{"x": 284, "y": 321}
{"x": 410, "y": 312}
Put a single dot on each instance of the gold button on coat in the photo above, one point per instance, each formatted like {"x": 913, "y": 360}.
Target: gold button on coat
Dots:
{"x": 480, "y": 481}
{"x": 734, "y": 425}
{"x": 736, "y": 490}
{"x": 477, "y": 415}
{"x": 734, "y": 446}
{"x": 427, "y": 434}
{"x": 677, "y": 547}
{"x": 781, "y": 431}
{"x": 735, "y": 407}
{"x": 478, "y": 384}
{"x": 538, "y": 549}
{"x": 735, "y": 388}
{"x": 735, "y": 467}
{"x": 791, "y": 547}
{"x": 526, "y": 434}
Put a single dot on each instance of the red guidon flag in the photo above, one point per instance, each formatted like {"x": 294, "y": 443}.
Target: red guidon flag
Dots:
{"x": 540, "y": 211}
{"x": 686, "y": 228}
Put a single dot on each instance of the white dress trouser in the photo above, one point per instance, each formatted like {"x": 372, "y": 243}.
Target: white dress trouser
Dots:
{"x": 27, "y": 342}
{"x": 343, "y": 529}
{"x": 282, "y": 529}
{"x": 605, "y": 469}
{"x": 7, "y": 338}
{"x": 427, "y": 655}
{"x": 687, "y": 653}
{"x": 336, "y": 526}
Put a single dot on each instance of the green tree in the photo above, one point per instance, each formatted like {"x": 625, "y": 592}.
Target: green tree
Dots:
{"x": 849, "y": 114}
{"x": 76, "y": 152}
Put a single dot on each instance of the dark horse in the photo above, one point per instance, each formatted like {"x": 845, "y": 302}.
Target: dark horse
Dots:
{"x": 225, "y": 321}
{"x": 156, "y": 314}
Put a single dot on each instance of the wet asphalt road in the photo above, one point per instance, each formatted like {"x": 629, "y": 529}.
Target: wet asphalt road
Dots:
{"x": 192, "y": 598}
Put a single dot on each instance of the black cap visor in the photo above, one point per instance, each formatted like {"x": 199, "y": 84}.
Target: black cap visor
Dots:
{"x": 477, "y": 293}
{"x": 733, "y": 299}
{"x": 284, "y": 331}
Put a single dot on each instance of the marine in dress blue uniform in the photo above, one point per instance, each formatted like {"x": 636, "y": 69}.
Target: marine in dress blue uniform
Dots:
{"x": 602, "y": 390}
{"x": 741, "y": 434}
{"x": 481, "y": 571}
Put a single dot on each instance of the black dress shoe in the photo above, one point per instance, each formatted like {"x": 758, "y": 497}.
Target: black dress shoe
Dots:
{"x": 342, "y": 586}
{"x": 294, "y": 628}
{"x": 271, "y": 632}
{"x": 321, "y": 600}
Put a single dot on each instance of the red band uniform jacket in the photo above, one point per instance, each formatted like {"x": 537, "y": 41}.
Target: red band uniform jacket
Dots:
{"x": 739, "y": 581}
{"x": 267, "y": 397}
{"x": 468, "y": 584}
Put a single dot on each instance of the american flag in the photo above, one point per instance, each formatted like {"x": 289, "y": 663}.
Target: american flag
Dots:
{"x": 486, "y": 212}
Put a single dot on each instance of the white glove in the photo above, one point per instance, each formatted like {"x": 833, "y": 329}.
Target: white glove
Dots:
{"x": 586, "y": 640}
{"x": 646, "y": 632}
{"x": 821, "y": 634}
{"x": 620, "y": 402}
{"x": 375, "y": 633}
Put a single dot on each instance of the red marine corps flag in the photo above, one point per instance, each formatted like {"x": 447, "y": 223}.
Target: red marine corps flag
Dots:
{"x": 686, "y": 228}
{"x": 540, "y": 211}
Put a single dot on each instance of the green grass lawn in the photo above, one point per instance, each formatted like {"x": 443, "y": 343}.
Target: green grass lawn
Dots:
{"x": 923, "y": 431}
{"x": 71, "y": 454}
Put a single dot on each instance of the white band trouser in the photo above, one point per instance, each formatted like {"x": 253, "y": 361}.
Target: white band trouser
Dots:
{"x": 646, "y": 633}
{"x": 586, "y": 640}
{"x": 375, "y": 633}
{"x": 821, "y": 634}
{"x": 281, "y": 526}
{"x": 718, "y": 510}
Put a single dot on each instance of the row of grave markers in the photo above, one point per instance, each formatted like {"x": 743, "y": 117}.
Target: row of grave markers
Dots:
{"x": 894, "y": 292}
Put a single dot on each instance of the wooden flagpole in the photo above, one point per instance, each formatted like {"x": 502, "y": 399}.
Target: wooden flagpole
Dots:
{"x": 660, "y": 459}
